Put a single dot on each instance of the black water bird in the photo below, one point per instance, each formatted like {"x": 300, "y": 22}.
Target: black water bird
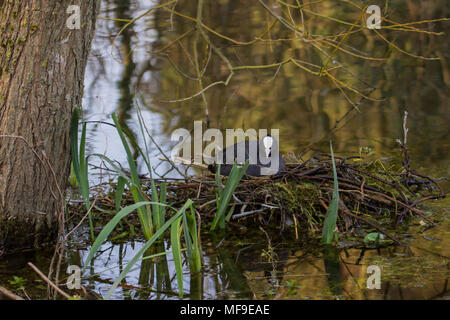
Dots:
{"x": 263, "y": 155}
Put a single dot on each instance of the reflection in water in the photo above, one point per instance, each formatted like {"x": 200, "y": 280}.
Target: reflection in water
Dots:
{"x": 245, "y": 270}
{"x": 155, "y": 274}
{"x": 125, "y": 103}
{"x": 268, "y": 98}
{"x": 283, "y": 269}
{"x": 332, "y": 268}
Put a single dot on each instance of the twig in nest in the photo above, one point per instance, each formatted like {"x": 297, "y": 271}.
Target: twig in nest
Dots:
{"x": 405, "y": 155}
{"x": 370, "y": 223}
{"x": 244, "y": 214}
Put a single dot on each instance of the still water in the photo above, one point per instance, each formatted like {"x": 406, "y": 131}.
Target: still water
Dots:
{"x": 152, "y": 64}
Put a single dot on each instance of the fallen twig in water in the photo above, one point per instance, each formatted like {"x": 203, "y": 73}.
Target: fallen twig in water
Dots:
{"x": 5, "y": 292}
{"x": 50, "y": 283}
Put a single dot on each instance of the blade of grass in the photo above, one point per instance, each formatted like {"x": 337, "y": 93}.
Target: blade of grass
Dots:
{"x": 331, "y": 216}
{"x": 162, "y": 209}
{"x": 79, "y": 162}
{"x": 84, "y": 183}
{"x": 192, "y": 241}
{"x": 146, "y": 156}
{"x": 147, "y": 245}
{"x": 230, "y": 213}
{"x": 119, "y": 191}
{"x": 237, "y": 172}
{"x": 176, "y": 253}
{"x": 136, "y": 191}
{"x": 109, "y": 227}
{"x": 219, "y": 185}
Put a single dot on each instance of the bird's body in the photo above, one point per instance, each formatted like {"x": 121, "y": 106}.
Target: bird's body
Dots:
{"x": 263, "y": 156}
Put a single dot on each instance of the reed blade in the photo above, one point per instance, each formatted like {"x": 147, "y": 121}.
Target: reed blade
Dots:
{"x": 329, "y": 225}
{"x": 147, "y": 245}
{"x": 176, "y": 253}
{"x": 237, "y": 172}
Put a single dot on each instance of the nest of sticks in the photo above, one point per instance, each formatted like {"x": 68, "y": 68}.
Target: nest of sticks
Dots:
{"x": 377, "y": 194}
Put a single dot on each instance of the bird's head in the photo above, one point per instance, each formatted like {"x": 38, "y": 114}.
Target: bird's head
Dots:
{"x": 268, "y": 143}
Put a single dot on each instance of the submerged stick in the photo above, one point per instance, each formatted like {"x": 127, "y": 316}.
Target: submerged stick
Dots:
{"x": 50, "y": 283}
{"x": 9, "y": 294}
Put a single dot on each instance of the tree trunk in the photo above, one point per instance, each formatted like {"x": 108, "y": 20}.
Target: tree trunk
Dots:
{"x": 42, "y": 65}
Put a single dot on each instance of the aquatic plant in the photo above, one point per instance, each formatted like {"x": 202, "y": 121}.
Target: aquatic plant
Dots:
{"x": 329, "y": 224}
{"x": 134, "y": 184}
{"x": 191, "y": 239}
{"x": 152, "y": 214}
{"x": 223, "y": 194}
{"x": 190, "y": 236}
{"x": 151, "y": 218}
{"x": 80, "y": 162}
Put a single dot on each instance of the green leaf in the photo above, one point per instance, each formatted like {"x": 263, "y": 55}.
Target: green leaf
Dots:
{"x": 162, "y": 209}
{"x": 147, "y": 245}
{"x": 119, "y": 191}
{"x": 109, "y": 227}
{"x": 79, "y": 162}
{"x": 230, "y": 213}
{"x": 176, "y": 253}
{"x": 331, "y": 216}
{"x": 374, "y": 237}
{"x": 192, "y": 241}
{"x": 237, "y": 172}
{"x": 17, "y": 281}
{"x": 74, "y": 142}
{"x": 145, "y": 213}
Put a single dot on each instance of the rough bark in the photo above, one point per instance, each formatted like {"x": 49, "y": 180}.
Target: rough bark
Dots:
{"x": 42, "y": 65}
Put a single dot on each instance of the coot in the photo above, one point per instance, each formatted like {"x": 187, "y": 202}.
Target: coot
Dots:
{"x": 263, "y": 155}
